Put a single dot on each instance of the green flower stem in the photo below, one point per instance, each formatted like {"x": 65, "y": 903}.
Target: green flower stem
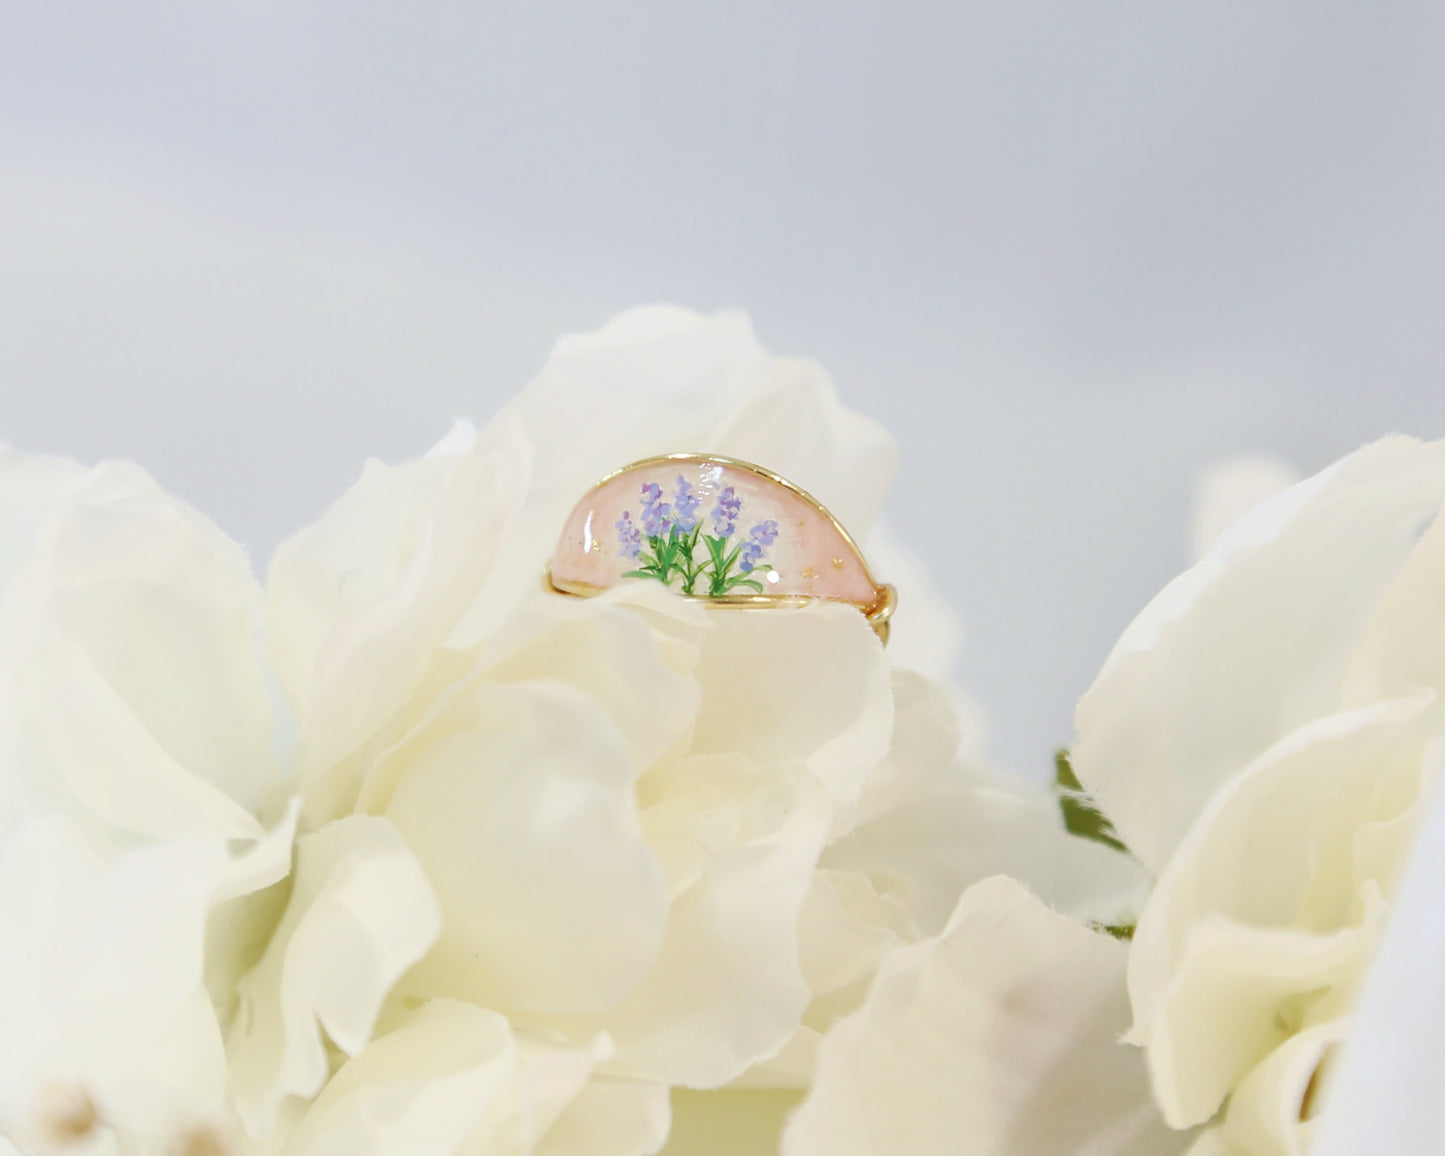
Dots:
{"x": 675, "y": 553}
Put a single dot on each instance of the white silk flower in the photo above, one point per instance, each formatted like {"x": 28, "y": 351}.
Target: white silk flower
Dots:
{"x": 405, "y": 855}
{"x": 1265, "y": 736}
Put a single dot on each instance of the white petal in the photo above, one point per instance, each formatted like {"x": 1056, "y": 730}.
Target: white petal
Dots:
{"x": 1228, "y": 490}
{"x": 846, "y": 929}
{"x": 1385, "y": 1095}
{"x": 1250, "y": 643}
{"x": 1267, "y": 1111}
{"x": 359, "y": 603}
{"x": 518, "y": 800}
{"x": 249, "y": 902}
{"x": 449, "y": 1078}
{"x": 611, "y": 1117}
{"x": 929, "y": 827}
{"x": 75, "y": 728}
{"x": 795, "y": 426}
{"x": 100, "y": 977}
{"x": 1212, "y": 1142}
{"x": 608, "y": 652}
{"x": 922, "y": 748}
{"x": 1236, "y": 996}
{"x": 31, "y": 486}
{"x": 425, "y": 1089}
{"x": 728, "y": 1120}
{"x": 727, "y": 990}
{"x": 810, "y": 684}
{"x": 361, "y": 912}
{"x": 998, "y": 1038}
{"x": 160, "y": 609}
{"x": 1402, "y": 647}
{"x": 1276, "y": 847}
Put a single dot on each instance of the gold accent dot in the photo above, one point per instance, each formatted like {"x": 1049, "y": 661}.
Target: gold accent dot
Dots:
{"x": 809, "y": 574}
{"x": 837, "y": 563}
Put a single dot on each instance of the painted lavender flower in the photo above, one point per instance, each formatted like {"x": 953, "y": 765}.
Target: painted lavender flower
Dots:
{"x": 725, "y": 513}
{"x": 654, "y": 511}
{"x": 629, "y": 539}
{"x": 665, "y": 544}
{"x": 684, "y": 506}
{"x": 760, "y": 537}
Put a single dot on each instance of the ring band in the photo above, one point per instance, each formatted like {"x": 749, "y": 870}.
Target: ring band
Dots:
{"x": 715, "y": 529}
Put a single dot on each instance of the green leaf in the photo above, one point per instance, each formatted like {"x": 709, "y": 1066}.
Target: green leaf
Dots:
{"x": 713, "y": 546}
{"x": 1081, "y": 816}
{"x": 740, "y": 580}
{"x": 1124, "y": 931}
{"x": 717, "y": 577}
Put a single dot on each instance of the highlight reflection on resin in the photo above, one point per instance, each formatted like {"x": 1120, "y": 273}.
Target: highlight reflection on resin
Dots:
{"x": 713, "y": 528}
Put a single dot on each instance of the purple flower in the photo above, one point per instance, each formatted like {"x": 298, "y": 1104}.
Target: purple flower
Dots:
{"x": 684, "y": 506}
{"x": 654, "y": 512}
{"x": 725, "y": 513}
{"x": 760, "y": 537}
{"x": 629, "y": 541}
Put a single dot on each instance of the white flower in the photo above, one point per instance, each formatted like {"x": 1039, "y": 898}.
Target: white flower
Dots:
{"x": 999, "y": 1036}
{"x": 573, "y": 877}
{"x": 1263, "y": 737}
{"x": 619, "y": 804}
{"x": 137, "y": 778}
{"x": 669, "y": 846}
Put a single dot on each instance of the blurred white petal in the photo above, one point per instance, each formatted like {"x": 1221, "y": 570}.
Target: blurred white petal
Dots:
{"x": 128, "y": 622}
{"x": 1402, "y": 647}
{"x": 75, "y": 726}
{"x": 1384, "y": 1096}
{"x": 101, "y": 966}
{"x": 928, "y": 637}
{"x": 1265, "y": 735}
{"x": 931, "y": 827}
{"x": 1267, "y": 902}
{"x": 794, "y": 425}
{"x": 611, "y": 1117}
{"x": 1228, "y": 490}
{"x": 999, "y": 1037}
{"x": 728, "y": 1121}
{"x": 1250, "y": 643}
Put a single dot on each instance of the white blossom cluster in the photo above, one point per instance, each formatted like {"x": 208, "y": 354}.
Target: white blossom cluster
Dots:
{"x": 399, "y": 854}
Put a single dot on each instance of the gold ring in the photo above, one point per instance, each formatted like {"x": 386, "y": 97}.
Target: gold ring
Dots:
{"x": 718, "y": 530}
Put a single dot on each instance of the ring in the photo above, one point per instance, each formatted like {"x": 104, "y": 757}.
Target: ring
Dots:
{"x": 718, "y": 530}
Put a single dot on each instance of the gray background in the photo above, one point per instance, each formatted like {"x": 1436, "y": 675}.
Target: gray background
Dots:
{"x": 1070, "y": 253}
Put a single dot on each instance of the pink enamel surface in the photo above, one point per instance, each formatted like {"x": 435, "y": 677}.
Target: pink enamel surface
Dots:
{"x": 810, "y": 557}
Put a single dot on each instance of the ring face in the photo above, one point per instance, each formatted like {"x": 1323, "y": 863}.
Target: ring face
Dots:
{"x": 714, "y": 528}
